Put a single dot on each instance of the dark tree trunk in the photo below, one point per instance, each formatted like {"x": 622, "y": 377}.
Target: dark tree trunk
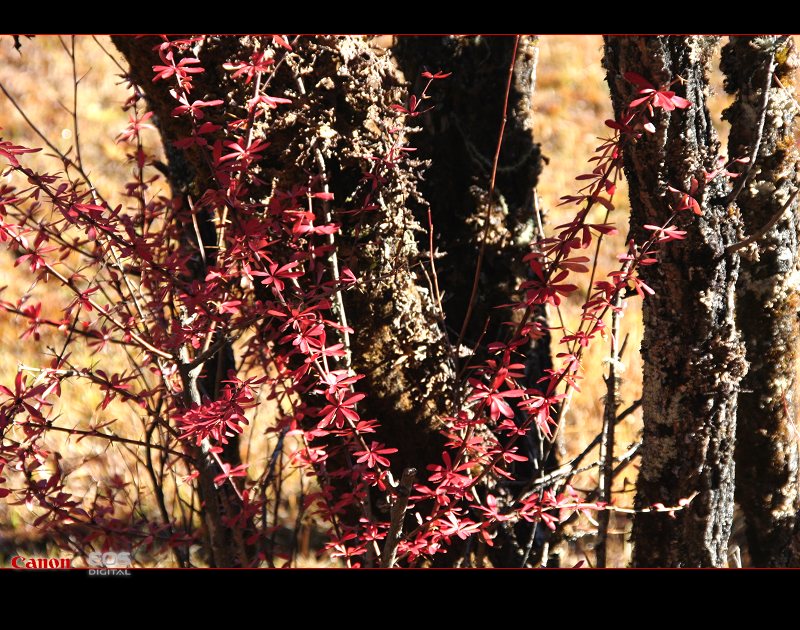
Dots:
{"x": 693, "y": 358}
{"x": 459, "y": 137}
{"x": 767, "y": 292}
{"x": 398, "y": 343}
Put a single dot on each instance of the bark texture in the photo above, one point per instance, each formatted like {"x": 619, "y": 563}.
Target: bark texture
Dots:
{"x": 459, "y": 139}
{"x": 693, "y": 357}
{"x": 767, "y": 293}
{"x": 398, "y": 344}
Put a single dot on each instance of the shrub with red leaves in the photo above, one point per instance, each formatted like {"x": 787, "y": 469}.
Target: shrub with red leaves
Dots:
{"x": 139, "y": 278}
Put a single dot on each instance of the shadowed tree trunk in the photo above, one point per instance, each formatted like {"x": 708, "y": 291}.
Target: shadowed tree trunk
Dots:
{"x": 767, "y": 292}
{"x": 693, "y": 358}
{"x": 459, "y": 136}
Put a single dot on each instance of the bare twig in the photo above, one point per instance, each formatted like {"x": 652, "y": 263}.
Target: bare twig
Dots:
{"x": 110, "y": 56}
{"x": 490, "y": 199}
{"x": 334, "y": 257}
{"x": 200, "y": 246}
{"x": 571, "y": 468}
{"x": 529, "y": 546}
{"x": 434, "y": 286}
{"x": 625, "y": 459}
{"x": 75, "y": 81}
{"x": 389, "y": 554}
{"x": 437, "y": 292}
{"x": 763, "y": 231}
{"x": 181, "y": 554}
{"x": 110, "y": 437}
{"x": 607, "y": 440}
{"x": 682, "y": 505}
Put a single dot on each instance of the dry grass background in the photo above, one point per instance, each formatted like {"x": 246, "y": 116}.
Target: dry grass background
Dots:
{"x": 571, "y": 103}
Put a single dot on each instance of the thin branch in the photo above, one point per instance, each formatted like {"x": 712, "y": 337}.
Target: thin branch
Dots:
{"x": 200, "y": 246}
{"x": 109, "y": 55}
{"x": 106, "y": 436}
{"x": 571, "y": 468}
{"x": 434, "y": 287}
{"x": 529, "y": 546}
{"x": 75, "y": 82}
{"x": 66, "y": 159}
{"x": 625, "y": 459}
{"x": 490, "y": 200}
{"x": 103, "y": 312}
{"x": 334, "y": 256}
{"x": 682, "y": 505}
{"x": 158, "y": 490}
{"x": 389, "y": 554}
{"x": 607, "y": 439}
{"x": 764, "y": 230}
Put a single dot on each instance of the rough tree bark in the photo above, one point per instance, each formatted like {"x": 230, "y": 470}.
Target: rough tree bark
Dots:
{"x": 399, "y": 344}
{"x": 693, "y": 357}
{"x": 459, "y": 137}
{"x": 767, "y": 292}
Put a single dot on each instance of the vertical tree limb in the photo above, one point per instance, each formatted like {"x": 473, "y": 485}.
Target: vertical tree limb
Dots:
{"x": 767, "y": 291}
{"x": 606, "y": 478}
{"x": 693, "y": 357}
{"x": 398, "y": 515}
{"x": 480, "y": 217}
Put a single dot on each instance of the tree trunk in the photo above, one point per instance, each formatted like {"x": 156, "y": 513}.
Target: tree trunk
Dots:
{"x": 188, "y": 177}
{"x": 398, "y": 343}
{"x": 331, "y": 126}
{"x": 693, "y": 357}
{"x": 330, "y": 129}
{"x": 459, "y": 137}
{"x": 767, "y": 292}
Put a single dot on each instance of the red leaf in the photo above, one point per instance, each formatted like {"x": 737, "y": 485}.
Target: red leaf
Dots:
{"x": 680, "y": 103}
{"x": 638, "y": 80}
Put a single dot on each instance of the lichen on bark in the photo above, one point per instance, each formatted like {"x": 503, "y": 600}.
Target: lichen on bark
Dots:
{"x": 398, "y": 343}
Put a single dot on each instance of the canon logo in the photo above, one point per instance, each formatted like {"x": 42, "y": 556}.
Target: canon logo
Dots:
{"x": 21, "y": 562}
